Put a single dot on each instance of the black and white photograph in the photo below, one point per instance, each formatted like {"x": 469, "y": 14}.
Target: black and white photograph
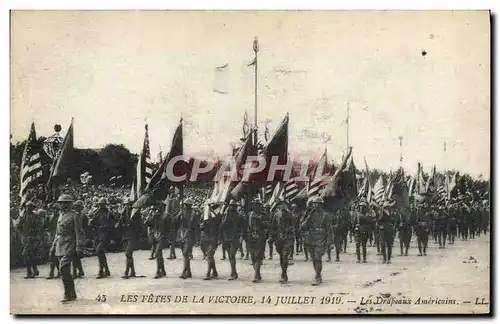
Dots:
{"x": 217, "y": 162}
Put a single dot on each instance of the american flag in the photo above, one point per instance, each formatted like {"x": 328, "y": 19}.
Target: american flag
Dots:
{"x": 144, "y": 168}
{"x": 378, "y": 191}
{"x": 317, "y": 181}
{"x": 31, "y": 167}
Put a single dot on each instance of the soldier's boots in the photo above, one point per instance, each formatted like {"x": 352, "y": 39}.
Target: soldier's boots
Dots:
{"x": 317, "y": 269}
{"x": 364, "y": 253}
{"x": 358, "y": 256}
{"x": 419, "y": 250}
{"x": 186, "y": 273}
{"x": 223, "y": 254}
{"x": 329, "y": 254}
{"x": 389, "y": 254}
{"x": 257, "y": 277}
{"x": 172, "y": 255}
{"x": 306, "y": 253}
{"x": 284, "y": 277}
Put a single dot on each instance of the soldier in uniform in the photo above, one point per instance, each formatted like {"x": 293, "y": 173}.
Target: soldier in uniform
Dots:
{"x": 319, "y": 225}
{"x": 209, "y": 239}
{"x": 130, "y": 220}
{"x": 157, "y": 221}
{"x": 172, "y": 223}
{"x": 270, "y": 235}
{"x": 441, "y": 221}
{"x": 77, "y": 261}
{"x": 452, "y": 223}
{"x": 51, "y": 226}
{"x": 30, "y": 228}
{"x": 284, "y": 225}
{"x": 385, "y": 229}
{"x": 257, "y": 228}
{"x": 188, "y": 221}
{"x": 148, "y": 221}
{"x": 68, "y": 241}
{"x": 102, "y": 220}
{"x": 404, "y": 232}
{"x": 362, "y": 229}
{"x": 423, "y": 224}
{"x": 232, "y": 226}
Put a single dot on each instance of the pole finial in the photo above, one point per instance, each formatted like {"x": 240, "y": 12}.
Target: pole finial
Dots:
{"x": 256, "y": 44}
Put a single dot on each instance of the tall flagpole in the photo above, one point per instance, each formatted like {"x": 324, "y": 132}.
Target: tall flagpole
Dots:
{"x": 256, "y": 50}
{"x": 347, "y": 122}
{"x": 401, "y": 150}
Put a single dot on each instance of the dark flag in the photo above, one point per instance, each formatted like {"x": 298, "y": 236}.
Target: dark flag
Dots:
{"x": 63, "y": 161}
{"x": 157, "y": 189}
{"x": 31, "y": 167}
{"x": 276, "y": 146}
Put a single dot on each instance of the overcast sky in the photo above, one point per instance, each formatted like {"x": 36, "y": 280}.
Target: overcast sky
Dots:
{"x": 112, "y": 70}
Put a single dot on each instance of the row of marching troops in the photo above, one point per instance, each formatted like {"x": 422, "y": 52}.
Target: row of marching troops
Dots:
{"x": 287, "y": 226}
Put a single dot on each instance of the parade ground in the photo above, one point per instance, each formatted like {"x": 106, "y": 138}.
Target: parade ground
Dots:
{"x": 451, "y": 280}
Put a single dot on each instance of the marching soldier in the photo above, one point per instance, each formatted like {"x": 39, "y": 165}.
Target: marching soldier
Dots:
{"x": 172, "y": 223}
{"x": 441, "y": 222}
{"x": 30, "y": 227}
{"x": 318, "y": 223}
{"x": 270, "y": 235}
{"x": 232, "y": 226}
{"x": 102, "y": 220}
{"x": 188, "y": 221}
{"x": 257, "y": 227}
{"x": 209, "y": 240}
{"x": 77, "y": 262}
{"x": 68, "y": 241}
{"x": 362, "y": 229}
{"x": 404, "y": 232}
{"x": 452, "y": 223}
{"x": 157, "y": 221}
{"x": 422, "y": 228}
{"x": 51, "y": 226}
{"x": 284, "y": 225}
{"x": 130, "y": 219}
{"x": 386, "y": 231}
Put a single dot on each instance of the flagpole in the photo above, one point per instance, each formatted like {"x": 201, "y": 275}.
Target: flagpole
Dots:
{"x": 256, "y": 50}
{"x": 347, "y": 122}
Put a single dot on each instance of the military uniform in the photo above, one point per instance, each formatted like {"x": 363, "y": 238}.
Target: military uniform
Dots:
{"x": 385, "y": 230}
{"x": 441, "y": 221}
{"x": 77, "y": 260}
{"x": 103, "y": 221}
{"x": 209, "y": 239}
{"x": 232, "y": 227}
{"x": 318, "y": 223}
{"x": 404, "y": 232}
{"x": 452, "y": 224}
{"x": 257, "y": 229}
{"x": 158, "y": 222}
{"x": 270, "y": 234}
{"x": 51, "y": 226}
{"x": 148, "y": 221}
{"x": 130, "y": 220}
{"x": 284, "y": 225}
{"x": 362, "y": 230}
{"x": 422, "y": 230}
{"x": 68, "y": 241}
{"x": 188, "y": 221}
{"x": 30, "y": 227}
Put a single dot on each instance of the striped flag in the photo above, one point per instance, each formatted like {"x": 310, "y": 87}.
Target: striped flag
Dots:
{"x": 144, "y": 166}
{"x": 31, "y": 167}
{"x": 317, "y": 179}
{"x": 291, "y": 190}
{"x": 378, "y": 193}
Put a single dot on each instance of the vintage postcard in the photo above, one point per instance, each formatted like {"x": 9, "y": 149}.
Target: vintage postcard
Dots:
{"x": 250, "y": 162}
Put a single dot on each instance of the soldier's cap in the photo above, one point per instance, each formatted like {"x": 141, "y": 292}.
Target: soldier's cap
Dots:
{"x": 30, "y": 204}
{"x": 317, "y": 199}
{"x": 126, "y": 200}
{"x": 78, "y": 203}
{"x": 267, "y": 205}
{"x": 41, "y": 211}
{"x": 103, "y": 201}
{"x": 188, "y": 201}
{"x": 65, "y": 198}
{"x": 363, "y": 202}
{"x": 233, "y": 203}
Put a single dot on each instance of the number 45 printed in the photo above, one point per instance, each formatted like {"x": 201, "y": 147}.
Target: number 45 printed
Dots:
{"x": 101, "y": 298}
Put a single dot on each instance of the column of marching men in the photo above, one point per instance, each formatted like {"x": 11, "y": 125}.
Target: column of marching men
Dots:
{"x": 289, "y": 227}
